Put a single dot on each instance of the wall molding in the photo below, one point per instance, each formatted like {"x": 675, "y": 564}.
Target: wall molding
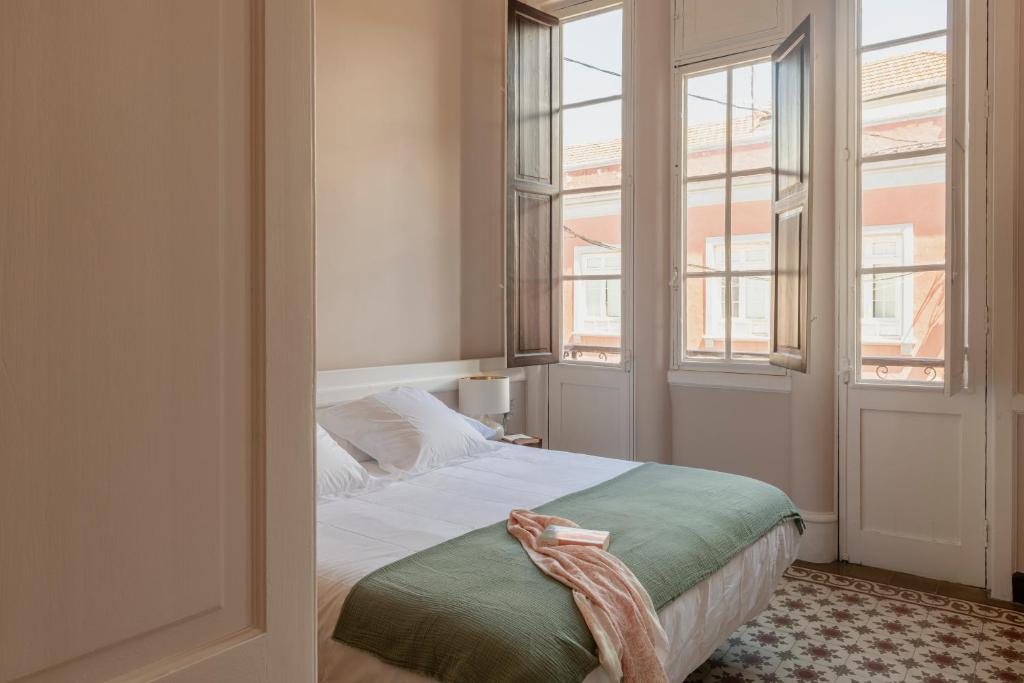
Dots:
{"x": 820, "y": 542}
{"x": 335, "y": 386}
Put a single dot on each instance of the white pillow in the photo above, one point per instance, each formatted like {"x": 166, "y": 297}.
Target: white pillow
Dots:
{"x": 357, "y": 453}
{"x": 405, "y": 430}
{"x": 337, "y": 472}
{"x": 487, "y": 432}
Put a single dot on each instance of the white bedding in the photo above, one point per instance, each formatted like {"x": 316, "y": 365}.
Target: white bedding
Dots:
{"x": 395, "y": 517}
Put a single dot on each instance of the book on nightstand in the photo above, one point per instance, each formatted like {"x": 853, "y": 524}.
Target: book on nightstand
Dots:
{"x": 524, "y": 440}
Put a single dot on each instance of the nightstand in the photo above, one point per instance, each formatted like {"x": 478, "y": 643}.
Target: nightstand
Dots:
{"x": 524, "y": 440}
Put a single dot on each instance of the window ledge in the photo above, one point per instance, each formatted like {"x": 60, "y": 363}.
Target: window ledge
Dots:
{"x": 749, "y": 379}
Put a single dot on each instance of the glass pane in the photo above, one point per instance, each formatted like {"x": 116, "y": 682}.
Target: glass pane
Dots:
{"x": 706, "y": 98}
{"x": 903, "y": 212}
{"x": 903, "y": 91}
{"x": 752, "y": 116}
{"x": 592, "y": 146}
{"x": 592, "y": 320}
{"x": 883, "y": 20}
{"x": 705, "y": 318}
{"x": 705, "y": 226}
{"x": 592, "y": 57}
{"x": 751, "y": 223}
{"x": 751, "y": 308}
{"x": 592, "y": 234}
{"x": 903, "y": 326}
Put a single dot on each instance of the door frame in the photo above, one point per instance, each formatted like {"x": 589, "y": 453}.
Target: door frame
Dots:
{"x": 975, "y": 56}
{"x": 1005, "y": 419}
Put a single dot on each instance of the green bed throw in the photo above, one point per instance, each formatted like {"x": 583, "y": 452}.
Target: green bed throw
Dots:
{"x": 476, "y": 608}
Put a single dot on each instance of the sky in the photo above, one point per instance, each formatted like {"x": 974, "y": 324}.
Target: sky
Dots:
{"x": 596, "y": 40}
{"x": 888, "y": 19}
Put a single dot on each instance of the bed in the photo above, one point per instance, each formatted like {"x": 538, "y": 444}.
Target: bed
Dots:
{"x": 394, "y": 517}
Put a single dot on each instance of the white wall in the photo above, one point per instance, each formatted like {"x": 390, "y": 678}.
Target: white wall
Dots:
{"x": 483, "y": 179}
{"x": 409, "y": 193}
{"x": 652, "y": 84}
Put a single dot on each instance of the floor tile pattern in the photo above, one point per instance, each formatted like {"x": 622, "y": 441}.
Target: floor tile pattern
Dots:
{"x": 827, "y": 627}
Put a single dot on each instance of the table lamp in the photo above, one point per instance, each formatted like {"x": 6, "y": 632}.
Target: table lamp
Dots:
{"x": 482, "y": 396}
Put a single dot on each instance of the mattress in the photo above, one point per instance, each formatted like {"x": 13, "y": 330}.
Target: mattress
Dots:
{"x": 395, "y": 517}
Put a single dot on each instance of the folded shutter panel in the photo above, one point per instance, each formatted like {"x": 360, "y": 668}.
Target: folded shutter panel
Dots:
{"x": 532, "y": 294}
{"x": 791, "y": 224}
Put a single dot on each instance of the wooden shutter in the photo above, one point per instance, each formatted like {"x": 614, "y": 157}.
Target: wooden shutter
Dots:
{"x": 534, "y": 178}
{"x": 791, "y": 225}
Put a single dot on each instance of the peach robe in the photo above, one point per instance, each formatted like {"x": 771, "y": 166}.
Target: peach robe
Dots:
{"x": 615, "y": 606}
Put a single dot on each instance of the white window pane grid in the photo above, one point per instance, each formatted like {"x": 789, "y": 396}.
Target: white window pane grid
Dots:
{"x": 592, "y": 188}
{"x": 726, "y": 290}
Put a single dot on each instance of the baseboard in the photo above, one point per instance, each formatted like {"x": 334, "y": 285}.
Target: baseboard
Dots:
{"x": 820, "y": 542}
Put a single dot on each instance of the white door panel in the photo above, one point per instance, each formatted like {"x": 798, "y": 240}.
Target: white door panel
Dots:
{"x": 590, "y": 410}
{"x": 915, "y": 479}
{"x": 155, "y": 419}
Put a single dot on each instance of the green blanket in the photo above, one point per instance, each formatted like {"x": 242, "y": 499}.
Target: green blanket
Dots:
{"x": 476, "y": 608}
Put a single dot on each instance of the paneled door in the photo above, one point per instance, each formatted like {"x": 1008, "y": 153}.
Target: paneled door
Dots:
{"x": 590, "y": 390}
{"x": 912, "y": 401}
{"x": 156, "y": 354}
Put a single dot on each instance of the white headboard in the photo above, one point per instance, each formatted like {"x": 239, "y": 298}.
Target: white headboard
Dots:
{"x": 335, "y": 386}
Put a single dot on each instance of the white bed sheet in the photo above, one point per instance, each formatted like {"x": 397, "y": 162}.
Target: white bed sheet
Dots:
{"x": 394, "y": 518}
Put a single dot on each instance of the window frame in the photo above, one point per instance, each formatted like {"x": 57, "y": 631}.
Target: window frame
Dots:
{"x": 678, "y": 360}
{"x": 625, "y": 188}
{"x": 849, "y": 194}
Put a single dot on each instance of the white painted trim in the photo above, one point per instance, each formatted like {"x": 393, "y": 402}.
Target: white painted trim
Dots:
{"x": 845, "y": 297}
{"x": 335, "y": 386}
{"x": 707, "y": 379}
{"x": 820, "y": 542}
{"x": 537, "y": 397}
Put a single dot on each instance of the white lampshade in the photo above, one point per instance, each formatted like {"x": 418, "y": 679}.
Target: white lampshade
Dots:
{"x": 483, "y": 395}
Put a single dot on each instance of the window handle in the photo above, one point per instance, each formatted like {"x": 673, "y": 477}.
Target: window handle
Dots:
{"x": 673, "y": 282}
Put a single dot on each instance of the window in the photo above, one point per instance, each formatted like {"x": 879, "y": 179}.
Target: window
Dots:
{"x": 592, "y": 188}
{"x": 597, "y": 306}
{"x": 751, "y": 296}
{"x": 902, "y": 159}
{"x": 887, "y": 301}
{"x": 726, "y": 214}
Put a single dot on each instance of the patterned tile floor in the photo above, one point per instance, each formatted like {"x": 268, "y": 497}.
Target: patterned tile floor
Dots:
{"x": 826, "y": 627}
